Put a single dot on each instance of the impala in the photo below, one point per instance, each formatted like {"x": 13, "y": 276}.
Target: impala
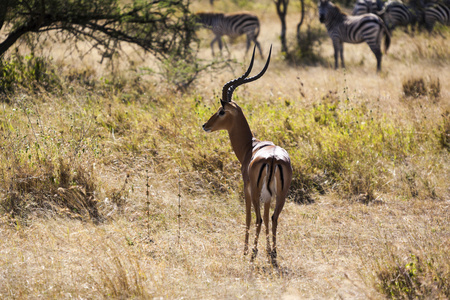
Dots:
{"x": 266, "y": 168}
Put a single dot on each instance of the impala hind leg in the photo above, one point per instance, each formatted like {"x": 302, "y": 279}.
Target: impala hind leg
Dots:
{"x": 258, "y": 228}
{"x": 266, "y": 224}
{"x": 278, "y": 208}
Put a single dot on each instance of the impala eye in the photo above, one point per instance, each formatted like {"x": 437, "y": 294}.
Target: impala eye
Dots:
{"x": 221, "y": 113}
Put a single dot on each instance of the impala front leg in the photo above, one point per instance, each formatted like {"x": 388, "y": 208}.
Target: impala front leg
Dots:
{"x": 248, "y": 217}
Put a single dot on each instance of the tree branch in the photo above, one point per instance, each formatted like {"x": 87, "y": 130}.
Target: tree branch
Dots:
{"x": 152, "y": 26}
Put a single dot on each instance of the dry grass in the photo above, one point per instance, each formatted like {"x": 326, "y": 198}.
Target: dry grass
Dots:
{"x": 328, "y": 249}
{"x": 169, "y": 216}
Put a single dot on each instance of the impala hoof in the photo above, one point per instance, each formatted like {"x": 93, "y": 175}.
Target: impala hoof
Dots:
{"x": 273, "y": 258}
{"x": 255, "y": 252}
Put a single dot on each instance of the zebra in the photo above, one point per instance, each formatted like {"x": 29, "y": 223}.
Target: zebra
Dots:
{"x": 367, "y": 6}
{"x": 436, "y": 12}
{"x": 233, "y": 25}
{"x": 342, "y": 28}
{"x": 398, "y": 14}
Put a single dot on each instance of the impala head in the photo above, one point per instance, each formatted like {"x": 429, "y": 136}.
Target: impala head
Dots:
{"x": 227, "y": 113}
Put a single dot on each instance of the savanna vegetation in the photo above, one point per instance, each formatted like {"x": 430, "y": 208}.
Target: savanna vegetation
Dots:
{"x": 109, "y": 188}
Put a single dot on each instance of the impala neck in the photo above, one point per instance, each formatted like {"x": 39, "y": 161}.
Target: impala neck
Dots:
{"x": 241, "y": 138}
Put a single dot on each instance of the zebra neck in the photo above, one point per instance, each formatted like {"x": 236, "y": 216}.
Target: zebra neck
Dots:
{"x": 211, "y": 19}
{"x": 336, "y": 19}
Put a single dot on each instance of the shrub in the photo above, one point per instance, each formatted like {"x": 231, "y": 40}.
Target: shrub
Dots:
{"x": 419, "y": 87}
{"x": 444, "y": 130}
{"x": 418, "y": 278}
{"x": 62, "y": 189}
{"x": 305, "y": 51}
{"x": 414, "y": 87}
{"x": 43, "y": 171}
{"x": 435, "y": 88}
{"x": 26, "y": 71}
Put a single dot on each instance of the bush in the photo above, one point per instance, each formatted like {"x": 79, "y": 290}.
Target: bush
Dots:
{"x": 419, "y": 87}
{"x": 444, "y": 131}
{"x": 418, "y": 278}
{"x": 305, "y": 51}
{"x": 62, "y": 189}
{"x": 28, "y": 71}
{"x": 44, "y": 171}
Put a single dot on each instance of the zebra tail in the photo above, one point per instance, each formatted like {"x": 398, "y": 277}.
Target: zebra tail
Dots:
{"x": 387, "y": 42}
{"x": 257, "y": 30}
{"x": 387, "y": 39}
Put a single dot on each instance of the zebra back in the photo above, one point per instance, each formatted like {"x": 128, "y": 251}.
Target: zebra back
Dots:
{"x": 233, "y": 24}
{"x": 437, "y": 12}
{"x": 398, "y": 14}
{"x": 367, "y": 6}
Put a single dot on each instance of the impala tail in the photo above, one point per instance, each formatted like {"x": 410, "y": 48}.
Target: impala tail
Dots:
{"x": 272, "y": 173}
{"x": 270, "y": 181}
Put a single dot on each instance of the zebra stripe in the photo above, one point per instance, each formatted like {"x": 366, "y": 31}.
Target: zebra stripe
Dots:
{"x": 436, "y": 12}
{"x": 367, "y": 6}
{"x": 398, "y": 14}
{"x": 342, "y": 28}
{"x": 232, "y": 25}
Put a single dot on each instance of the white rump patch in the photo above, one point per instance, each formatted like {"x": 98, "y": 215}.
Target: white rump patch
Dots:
{"x": 265, "y": 195}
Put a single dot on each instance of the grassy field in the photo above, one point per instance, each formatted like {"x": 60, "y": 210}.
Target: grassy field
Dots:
{"x": 109, "y": 188}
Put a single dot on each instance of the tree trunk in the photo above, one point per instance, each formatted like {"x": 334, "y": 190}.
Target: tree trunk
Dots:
{"x": 282, "y": 6}
{"x": 302, "y": 3}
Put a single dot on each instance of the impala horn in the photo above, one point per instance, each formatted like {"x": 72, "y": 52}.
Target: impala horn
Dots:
{"x": 230, "y": 86}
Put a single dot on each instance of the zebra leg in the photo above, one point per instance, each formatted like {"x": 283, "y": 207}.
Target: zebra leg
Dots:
{"x": 220, "y": 45}
{"x": 259, "y": 47}
{"x": 429, "y": 26}
{"x": 217, "y": 39}
{"x": 342, "y": 54}
{"x": 377, "y": 51}
{"x": 336, "y": 53}
{"x": 212, "y": 43}
{"x": 250, "y": 38}
{"x": 248, "y": 43}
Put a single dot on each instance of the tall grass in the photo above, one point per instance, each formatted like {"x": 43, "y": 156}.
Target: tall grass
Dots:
{"x": 336, "y": 145}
